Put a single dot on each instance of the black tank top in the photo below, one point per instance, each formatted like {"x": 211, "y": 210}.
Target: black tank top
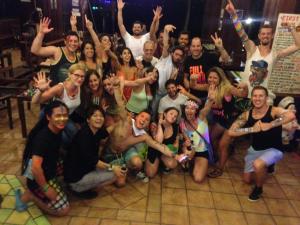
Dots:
{"x": 59, "y": 71}
{"x": 265, "y": 139}
{"x": 172, "y": 138}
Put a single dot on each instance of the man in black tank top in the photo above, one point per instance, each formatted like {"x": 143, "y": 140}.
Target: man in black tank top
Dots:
{"x": 264, "y": 123}
{"x": 61, "y": 57}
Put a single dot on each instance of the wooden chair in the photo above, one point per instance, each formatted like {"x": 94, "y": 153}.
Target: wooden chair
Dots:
{"x": 5, "y": 104}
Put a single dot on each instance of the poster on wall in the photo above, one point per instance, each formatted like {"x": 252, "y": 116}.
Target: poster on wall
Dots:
{"x": 285, "y": 76}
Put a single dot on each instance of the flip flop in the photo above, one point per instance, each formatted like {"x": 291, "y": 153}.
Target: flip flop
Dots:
{"x": 216, "y": 172}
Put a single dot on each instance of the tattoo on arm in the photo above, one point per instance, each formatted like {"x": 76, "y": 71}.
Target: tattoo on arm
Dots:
{"x": 278, "y": 121}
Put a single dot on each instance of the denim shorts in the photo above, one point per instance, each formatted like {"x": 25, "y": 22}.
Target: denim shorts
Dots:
{"x": 92, "y": 180}
{"x": 269, "y": 156}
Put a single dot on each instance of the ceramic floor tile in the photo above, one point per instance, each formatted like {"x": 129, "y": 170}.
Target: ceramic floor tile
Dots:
{"x": 18, "y": 218}
{"x": 192, "y": 185}
{"x": 173, "y": 214}
{"x": 231, "y": 218}
{"x": 221, "y": 185}
{"x": 127, "y": 195}
{"x": 103, "y": 213}
{"x": 280, "y": 207}
{"x": 200, "y": 199}
{"x": 206, "y": 216}
{"x": 259, "y": 206}
{"x": 292, "y": 191}
{"x": 155, "y": 185}
{"x": 35, "y": 212}
{"x": 140, "y": 205}
{"x": 42, "y": 221}
{"x": 255, "y": 219}
{"x": 141, "y": 187}
{"x": 173, "y": 181}
{"x": 174, "y": 196}
{"x": 241, "y": 188}
{"x": 114, "y": 222}
{"x": 59, "y": 220}
{"x": 78, "y": 210}
{"x": 131, "y": 215}
{"x": 4, "y": 214}
{"x": 287, "y": 178}
{"x": 106, "y": 201}
{"x": 226, "y": 201}
{"x": 154, "y": 203}
{"x": 153, "y": 217}
{"x": 296, "y": 205}
{"x": 84, "y": 221}
{"x": 283, "y": 220}
{"x": 273, "y": 191}
{"x": 140, "y": 223}
{"x": 8, "y": 202}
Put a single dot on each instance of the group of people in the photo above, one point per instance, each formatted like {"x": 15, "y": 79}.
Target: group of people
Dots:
{"x": 108, "y": 112}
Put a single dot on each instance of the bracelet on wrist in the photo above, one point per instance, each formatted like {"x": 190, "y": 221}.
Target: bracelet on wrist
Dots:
{"x": 45, "y": 187}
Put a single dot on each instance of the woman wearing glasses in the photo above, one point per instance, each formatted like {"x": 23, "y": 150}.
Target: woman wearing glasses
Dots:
{"x": 68, "y": 92}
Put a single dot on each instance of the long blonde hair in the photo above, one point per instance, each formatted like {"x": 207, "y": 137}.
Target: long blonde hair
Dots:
{"x": 224, "y": 86}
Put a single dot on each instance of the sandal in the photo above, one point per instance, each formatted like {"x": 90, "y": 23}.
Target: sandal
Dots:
{"x": 216, "y": 172}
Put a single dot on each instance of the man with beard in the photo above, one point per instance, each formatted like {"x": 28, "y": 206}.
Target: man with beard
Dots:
{"x": 261, "y": 52}
{"x": 136, "y": 41}
{"x": 184, "y": 41}
{"x": 148, "y": 58}
{"x": 199, "y": 62}
{"x": 167, "y": 66}
{"x": 176, "y": 97}
{"x": 264, "y": 123}
{"x": 61, "y": 57}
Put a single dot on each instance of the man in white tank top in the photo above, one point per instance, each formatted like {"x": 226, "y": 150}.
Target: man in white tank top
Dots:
{"x": 263, "y": 52}
{"x": 136, "y": 41}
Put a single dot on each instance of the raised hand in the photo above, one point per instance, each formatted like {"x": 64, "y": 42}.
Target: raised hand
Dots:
{"x": 120, "y": 4}
{"x": 230, "y": 7}
{"x": 212, "y": 92}
{"x": 157, "y": 13}
{"x": 217, "y": 41}
{"x": 181, "y": 89}
{"x": 41, "y": 82}
{"x": 88, "y": 23}
{"x": 73, "y": 20}
{"x": 170, "y": 28}
{"x": 44, "y": 25}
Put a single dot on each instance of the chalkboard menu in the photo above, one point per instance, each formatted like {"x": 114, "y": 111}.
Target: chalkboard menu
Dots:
{"x": 285, "y": 76}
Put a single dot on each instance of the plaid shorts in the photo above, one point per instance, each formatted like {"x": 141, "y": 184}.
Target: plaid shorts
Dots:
{"x": 61, "y": 201}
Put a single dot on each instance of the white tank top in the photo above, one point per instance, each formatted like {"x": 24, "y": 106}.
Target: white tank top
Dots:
{"x": 252, "y": 79}
{"x": 71, "y": 102}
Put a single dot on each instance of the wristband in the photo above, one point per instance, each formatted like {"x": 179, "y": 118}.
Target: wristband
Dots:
{"x": 45, "y": 187}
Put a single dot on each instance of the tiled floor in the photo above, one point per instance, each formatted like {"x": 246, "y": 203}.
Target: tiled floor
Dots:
{"x": 167, "y": 199}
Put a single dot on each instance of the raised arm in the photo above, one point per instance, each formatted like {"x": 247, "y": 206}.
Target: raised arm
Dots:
{"x": 168, "y": 28}
{"x": 292, "y": 48}
{"x": 211, "y": 95}
{"x": 194, "y": 85}
{"x": 119, "y": 97}
{"x": 183, "y": 91}
{"x": 73, "y": 23}
{"x": 240, "y": 91}
{"x": 120, "y": 18}
{"x": 155, "y": 22}
{"x": 249, "y": 44}
{"x": 36, "y": 47}
{"x": 44, "y": 92}
{"x": 224, "y": 57}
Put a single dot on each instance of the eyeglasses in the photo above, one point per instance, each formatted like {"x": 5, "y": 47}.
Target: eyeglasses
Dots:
{"x": 78, "y": 75}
